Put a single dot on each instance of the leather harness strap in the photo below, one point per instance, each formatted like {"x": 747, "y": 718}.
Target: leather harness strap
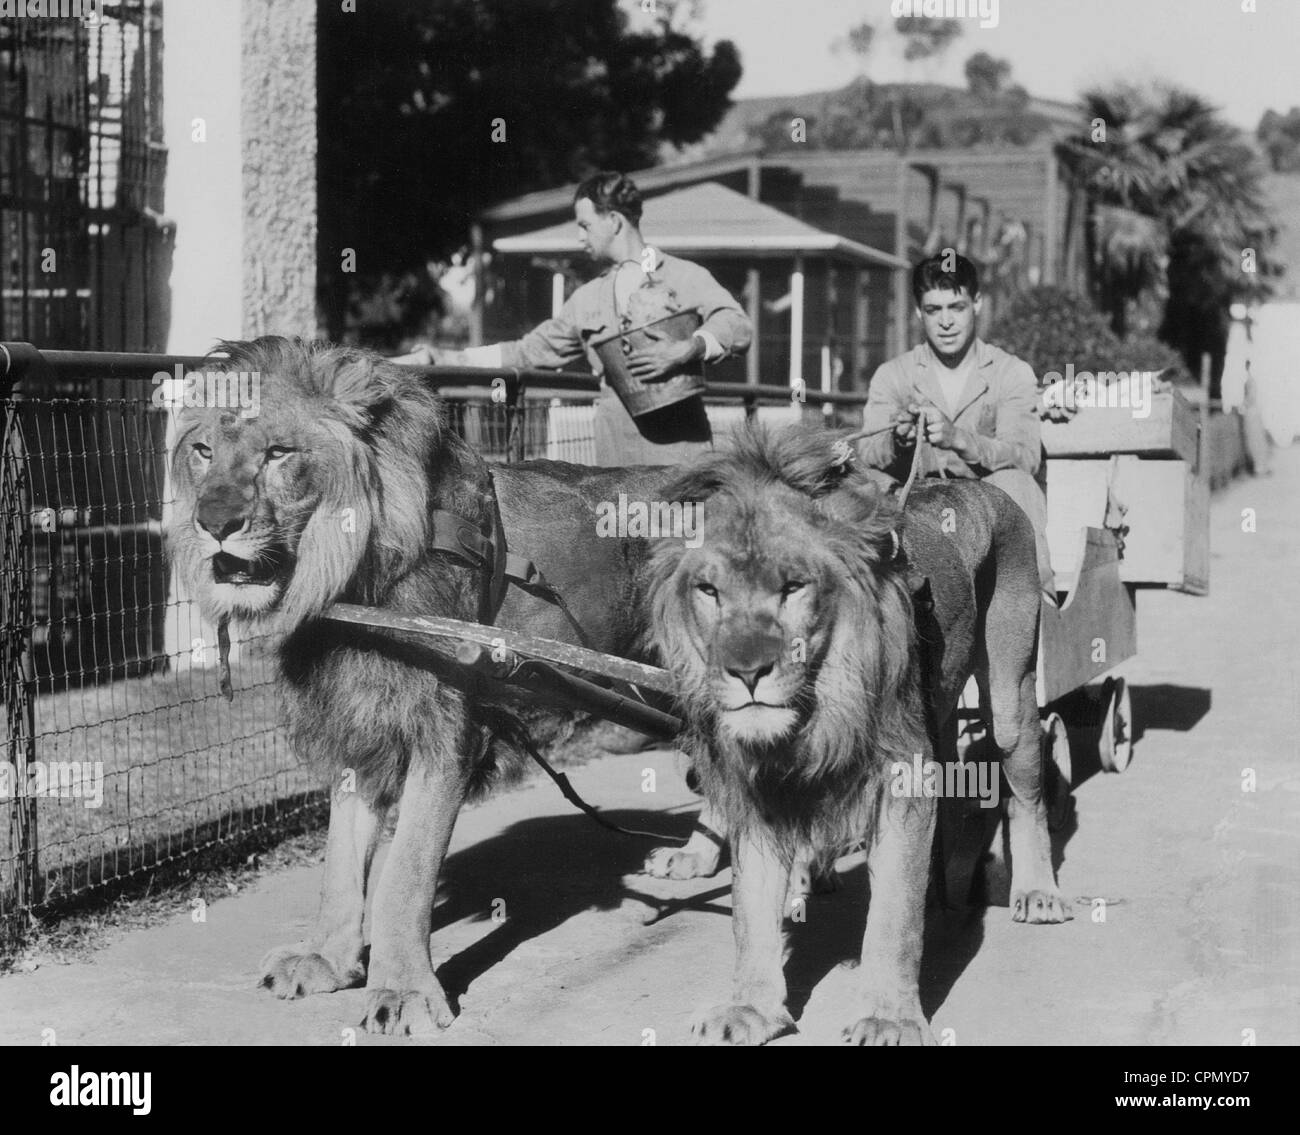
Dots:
{"x": 457, "y": 536}
{"x": 500, "y": 567}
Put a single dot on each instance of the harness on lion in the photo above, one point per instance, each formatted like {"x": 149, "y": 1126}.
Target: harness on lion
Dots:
{"x": 489, "y": 554}
{"x": 499, "y": 567}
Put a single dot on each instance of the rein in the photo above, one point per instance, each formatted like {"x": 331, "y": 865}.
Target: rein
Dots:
{"x": 919, "y": 445}
{"x": 514, "y": 730}
{"x": 916, "y": 460}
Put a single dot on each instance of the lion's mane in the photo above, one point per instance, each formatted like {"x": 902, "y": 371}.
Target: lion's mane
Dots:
{"x": 382, "y": 458}
{"x": 861, "y": 704}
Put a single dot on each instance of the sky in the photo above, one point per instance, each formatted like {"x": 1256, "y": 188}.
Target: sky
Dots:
{"x": 1243, "y": 62}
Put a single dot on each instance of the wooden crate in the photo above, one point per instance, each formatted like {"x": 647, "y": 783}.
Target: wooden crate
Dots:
{"x": 1170, "y": 430}
{"x": 1167, "y": 542}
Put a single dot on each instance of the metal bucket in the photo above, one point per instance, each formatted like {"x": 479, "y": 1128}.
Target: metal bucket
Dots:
{"x": 645, "y": 397}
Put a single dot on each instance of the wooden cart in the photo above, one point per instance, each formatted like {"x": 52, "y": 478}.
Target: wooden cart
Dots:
{"x": 1128, "y": 509}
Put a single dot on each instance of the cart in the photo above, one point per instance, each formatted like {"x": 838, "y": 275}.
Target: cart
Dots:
{"x": 1128, "y": 509}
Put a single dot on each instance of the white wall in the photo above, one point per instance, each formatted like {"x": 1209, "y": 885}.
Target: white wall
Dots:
{"x": 204, "y": 190}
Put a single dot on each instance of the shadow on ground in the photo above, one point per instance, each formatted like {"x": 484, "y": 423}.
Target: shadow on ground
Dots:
{"x": 1156, "y": 707}
{"x": 1166, "y": 706}
{"x": 542, "y": 872}
{"x": 538, "y": 874}
{"x": 832, "y": 936}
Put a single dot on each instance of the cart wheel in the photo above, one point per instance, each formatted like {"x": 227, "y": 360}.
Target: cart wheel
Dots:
{"x": 1057, "y": 771}
{"x": 1115, "y": 746}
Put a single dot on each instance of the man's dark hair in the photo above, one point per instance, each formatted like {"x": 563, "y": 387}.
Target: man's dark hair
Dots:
{"x": 611, "y": 192}
{"x": 946, "y": 271}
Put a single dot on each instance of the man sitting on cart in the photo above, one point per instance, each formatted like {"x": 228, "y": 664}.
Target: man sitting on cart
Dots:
{"x": 977, "y": 404}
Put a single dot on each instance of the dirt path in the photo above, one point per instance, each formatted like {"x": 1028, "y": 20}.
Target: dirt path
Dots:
{"x": 1204, "y": 944}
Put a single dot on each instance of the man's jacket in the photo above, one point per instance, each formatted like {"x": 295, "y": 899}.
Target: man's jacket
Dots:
{"x": 590, "y": 315}
{"x": 998, "y": 407}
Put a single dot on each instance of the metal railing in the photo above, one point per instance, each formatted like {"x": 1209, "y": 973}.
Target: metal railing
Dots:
{"x": 121, "y": 759}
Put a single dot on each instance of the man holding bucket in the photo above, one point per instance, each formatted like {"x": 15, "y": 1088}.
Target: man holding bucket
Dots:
{"x": 645, "y": 325}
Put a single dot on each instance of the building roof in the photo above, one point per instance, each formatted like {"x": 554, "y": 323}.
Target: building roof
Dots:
{"x": 657, "y": 179}
{"x": 647, "y": 180}
{"x": 709, "y": 219}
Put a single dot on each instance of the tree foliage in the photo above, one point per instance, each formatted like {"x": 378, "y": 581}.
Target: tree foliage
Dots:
{"x": 430, "y": 112}
{"x": 986, "y": 76}
{"x": 1051, "y": 327}
{"x": 926, "y": 36}
{"x": 903, "y": 116}
{"x": 1179, "y": 220}
{"x": 1280, "y": 135}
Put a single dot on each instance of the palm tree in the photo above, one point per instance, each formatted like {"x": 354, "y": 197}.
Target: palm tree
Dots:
{"x": 1169, "y": 184}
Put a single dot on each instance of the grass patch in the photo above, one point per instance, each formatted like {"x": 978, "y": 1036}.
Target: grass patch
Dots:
{"x": 182, "y": 769}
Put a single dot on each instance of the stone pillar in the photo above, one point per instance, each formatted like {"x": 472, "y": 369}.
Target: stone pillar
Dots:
{"x": 278, "y": 119}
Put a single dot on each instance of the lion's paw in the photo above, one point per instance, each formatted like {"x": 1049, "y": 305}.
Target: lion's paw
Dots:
{"x": 1039, "y": 907}
{"x": 682, "y": 863}
{"x": 414, "y": 1013}
{"x": 740, "y": 1025}
{"x": 871, "y": 1032}
{"x": 890, "y": 1017}
{"x": 291, "y": 972}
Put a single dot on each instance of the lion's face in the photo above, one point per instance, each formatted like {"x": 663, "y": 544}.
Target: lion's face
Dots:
{"x": 254, "y": 483}
{"x": 277, "y": 509}
{"x": 787, "y": 615}
{"x": 760, "y": 622}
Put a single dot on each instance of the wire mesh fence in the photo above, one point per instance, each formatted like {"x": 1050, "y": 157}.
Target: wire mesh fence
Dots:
{"x": 121, "y": 755}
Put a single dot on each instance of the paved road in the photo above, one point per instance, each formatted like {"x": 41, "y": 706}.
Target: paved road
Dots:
{"x": 1200, "y": 942}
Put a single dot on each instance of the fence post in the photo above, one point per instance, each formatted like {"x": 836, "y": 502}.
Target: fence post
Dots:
{"x": 1204, "y": 459}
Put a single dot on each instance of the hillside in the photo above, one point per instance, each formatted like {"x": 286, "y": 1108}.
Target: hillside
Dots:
{"x": 1013, "y": 112}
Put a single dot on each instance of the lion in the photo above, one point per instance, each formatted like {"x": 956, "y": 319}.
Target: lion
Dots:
{"x": 325, "y": 495}
{"x": 806, "y": 688}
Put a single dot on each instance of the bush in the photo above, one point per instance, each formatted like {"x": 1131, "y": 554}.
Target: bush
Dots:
{"x": 1049, "y": 327}
{"x": 1146, "y": 352}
